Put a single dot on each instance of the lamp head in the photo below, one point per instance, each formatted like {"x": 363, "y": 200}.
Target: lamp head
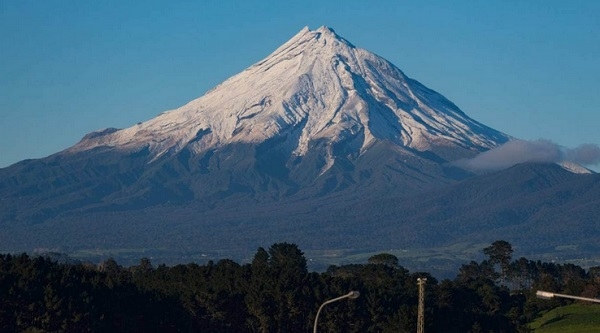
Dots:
{"x": 353, "y": 294}
{"x": 544, "y": 294}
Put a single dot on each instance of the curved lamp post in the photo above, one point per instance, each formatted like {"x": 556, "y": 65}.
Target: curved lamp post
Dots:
{"x": 352, "y": 295}
{"x": 549, "y": 295}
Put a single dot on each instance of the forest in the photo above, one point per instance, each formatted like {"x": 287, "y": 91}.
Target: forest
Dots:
{"x": 277, "y": 293}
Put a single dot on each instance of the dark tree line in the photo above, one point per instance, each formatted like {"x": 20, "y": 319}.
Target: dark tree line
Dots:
{"x": 276, "y": 293}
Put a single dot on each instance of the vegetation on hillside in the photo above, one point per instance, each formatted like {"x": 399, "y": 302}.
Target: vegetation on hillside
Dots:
{"x": 572, "y": 318}
{"x": 277, "y": 293}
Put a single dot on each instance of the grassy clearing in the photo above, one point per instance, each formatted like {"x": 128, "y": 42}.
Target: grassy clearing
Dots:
{"x": 438, "y": 261}
{"x": 441, "y": 262}
{"x": 462, "y": 251}
{"x": 574, "y": 318}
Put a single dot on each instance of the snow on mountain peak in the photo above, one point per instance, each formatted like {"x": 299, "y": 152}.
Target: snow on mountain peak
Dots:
{"x": 316, "y": 86}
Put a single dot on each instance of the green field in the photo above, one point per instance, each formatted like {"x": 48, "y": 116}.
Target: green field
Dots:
{"x": 574, "y": 318}
{"x": 442, "y": 262}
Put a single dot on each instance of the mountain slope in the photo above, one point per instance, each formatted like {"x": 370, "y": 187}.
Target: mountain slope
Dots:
{"x": 536, "y": 206}
{"x": 316, "y": 87}
{"x": 320, "y": 143}
{"x": 317, "y": 115}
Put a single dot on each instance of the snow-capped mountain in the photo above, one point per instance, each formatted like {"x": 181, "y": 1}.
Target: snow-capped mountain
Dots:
{"x": 321, "y": 143}
{"x": 315, "y": 87}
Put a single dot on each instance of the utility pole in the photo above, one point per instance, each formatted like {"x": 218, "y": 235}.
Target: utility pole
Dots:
{"x": 421, "y": 310}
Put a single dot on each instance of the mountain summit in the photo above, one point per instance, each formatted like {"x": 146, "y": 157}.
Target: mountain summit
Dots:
{"x": 318, "y": 116}
{"x": 321, "y": 143}
{"x": 317, "y": 87}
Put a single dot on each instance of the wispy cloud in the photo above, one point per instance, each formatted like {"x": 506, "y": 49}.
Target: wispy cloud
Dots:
{"x": 586, "y": 154}
{"x": 519, "y": 151}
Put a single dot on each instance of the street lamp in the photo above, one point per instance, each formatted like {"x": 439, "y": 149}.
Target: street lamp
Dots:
{"x": 351, "y": 295}
{"x": 549, "y": 295}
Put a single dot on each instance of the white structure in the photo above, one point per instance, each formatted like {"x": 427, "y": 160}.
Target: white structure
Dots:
{"x": 549, "y": 295}
{"x": 352, "y": 295}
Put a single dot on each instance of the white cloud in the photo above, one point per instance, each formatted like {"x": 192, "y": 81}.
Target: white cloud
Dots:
{"x": 519, "y": 151}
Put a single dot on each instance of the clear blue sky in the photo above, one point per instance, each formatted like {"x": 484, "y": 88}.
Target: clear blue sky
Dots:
{"x": 530, "y": 69}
